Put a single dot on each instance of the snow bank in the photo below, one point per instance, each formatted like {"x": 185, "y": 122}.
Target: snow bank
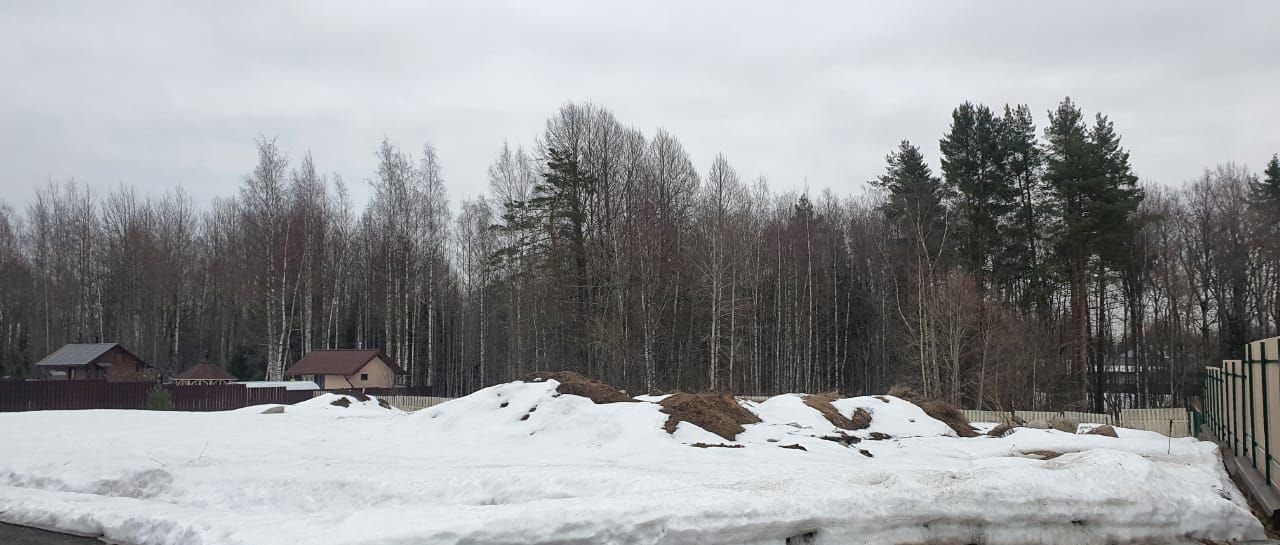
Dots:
{"x": 344, "y": 405}
{"x": 521, "y": 463}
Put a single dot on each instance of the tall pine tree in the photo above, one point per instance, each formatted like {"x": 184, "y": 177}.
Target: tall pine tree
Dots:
{"x": 1022, "y": 261}
{"x": 972, "y": 157}
{"x": 1094, "y": 195}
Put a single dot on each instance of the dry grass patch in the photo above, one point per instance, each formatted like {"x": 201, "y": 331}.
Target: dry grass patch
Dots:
{"x": 717, "y": 413}
{"x": 938, "y": 409}
{"x": 1002, "y": 429}
{"x": 1042, "y": 454}
{"x": 714, "y": 445}
{"x": 822, "y": 403}
{"x": 575, "y": 384}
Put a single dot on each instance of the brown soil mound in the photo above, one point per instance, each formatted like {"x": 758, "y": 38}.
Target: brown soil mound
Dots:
{"x": 1103, "y": 430}
{"x": 1043, "y": 454}
{"x": 843, "y": 439}
{"x": 877, "y": 436}
{"x": 822, "y": 403}
{"x": 717, "y": 413}
{"x": 940, "y": 410}
{"x": 574, "y": 384}
{"x": 714, "y": 445}
{"x": 1001, "y": 429}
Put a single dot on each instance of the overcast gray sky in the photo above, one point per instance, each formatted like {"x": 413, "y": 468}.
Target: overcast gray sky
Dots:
{"x": 162, "y": 94}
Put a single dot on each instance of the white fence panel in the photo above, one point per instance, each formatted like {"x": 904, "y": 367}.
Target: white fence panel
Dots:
{"x": 414, "y": 403}
{"x": 1038, "y": 416}
{"x": 1171, "y": 422}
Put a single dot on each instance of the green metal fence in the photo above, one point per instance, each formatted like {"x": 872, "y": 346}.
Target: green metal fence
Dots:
{"x": 1235, "y": 404}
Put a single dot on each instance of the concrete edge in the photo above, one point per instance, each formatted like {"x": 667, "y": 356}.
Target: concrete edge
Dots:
{"x": 1254, "y": 485}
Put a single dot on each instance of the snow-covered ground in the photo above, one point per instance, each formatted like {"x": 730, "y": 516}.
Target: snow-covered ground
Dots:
{"x": 518, "y": 463}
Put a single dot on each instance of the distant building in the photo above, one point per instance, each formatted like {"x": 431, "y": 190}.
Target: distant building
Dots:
{"x": 204, "y": 373}
{"x": 98, "y": 361}
{"x": 346, "y": 369}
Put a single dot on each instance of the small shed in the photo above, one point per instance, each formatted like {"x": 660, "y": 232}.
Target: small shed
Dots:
{"x": 346, "y": 369}
{"x": 204, "y": 373}
{"x": 95, "y": 361}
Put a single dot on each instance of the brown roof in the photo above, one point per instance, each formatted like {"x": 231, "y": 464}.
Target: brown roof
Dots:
{"x": 206, "y": 371}
{"x": 338, "y": 362}
{"x": 71, "y": 355}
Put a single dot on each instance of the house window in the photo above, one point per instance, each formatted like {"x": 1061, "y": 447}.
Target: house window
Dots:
{"x": 364, "y": 376}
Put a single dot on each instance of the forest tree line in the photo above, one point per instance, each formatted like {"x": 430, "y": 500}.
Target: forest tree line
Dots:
{"x": 1031, "y": 271}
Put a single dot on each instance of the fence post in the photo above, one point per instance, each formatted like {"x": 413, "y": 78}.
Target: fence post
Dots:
{"x": 1251, "y": 434}
{"x": 1204, "y": 395}
{"x": 1266, "y": 415}
{"x": 1213, "y": 403}
{"x": 1221, "y": 399}
{"x": 1232, "y": 412}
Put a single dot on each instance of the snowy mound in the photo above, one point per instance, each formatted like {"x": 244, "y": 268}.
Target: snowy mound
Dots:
{"x": 527, "y": 463}
{"x": 344, "y": 405}
{"x": 328, "y": 404}
{"x": 537, "y": 412}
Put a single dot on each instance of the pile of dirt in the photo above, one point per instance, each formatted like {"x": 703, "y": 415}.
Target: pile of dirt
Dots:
{"x": 822, "y": 403}
{"x": 717, "y": 413}
{"x": 1042, "y": 454}
{"x": 940, "y": 410}
{"x": 574, "y": 384}
{"x": 877, "y": 436}
{"x": 1002, "y": 429}
{"x": 1103, "y": 430}
{"x": 842, "y": 438}
{"x": 1064, "y": 424}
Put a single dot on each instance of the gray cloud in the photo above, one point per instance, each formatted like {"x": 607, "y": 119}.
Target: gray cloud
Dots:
{"x": 162, "y": 94}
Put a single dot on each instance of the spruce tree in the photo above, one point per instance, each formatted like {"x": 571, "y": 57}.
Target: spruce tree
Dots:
{"x": 916, "y": 207}
{"x": 917, "y": 199}
{"x": 551, "y": 227}
{"x": 1266, "y": 192}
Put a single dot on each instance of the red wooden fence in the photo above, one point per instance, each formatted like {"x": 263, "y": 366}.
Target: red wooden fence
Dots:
{"x": 36, "y": 395}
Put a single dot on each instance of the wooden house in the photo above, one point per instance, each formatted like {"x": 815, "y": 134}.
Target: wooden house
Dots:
{"x": 97, "y": 361}
{"x": 346, "y": 369}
